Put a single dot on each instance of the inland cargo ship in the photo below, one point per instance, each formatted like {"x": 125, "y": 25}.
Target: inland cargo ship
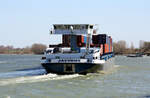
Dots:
{"x": 82, "y": 50}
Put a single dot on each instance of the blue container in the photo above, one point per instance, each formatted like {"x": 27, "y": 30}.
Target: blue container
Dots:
{"x": 85, "y": 38}
{"x": 109, "y": 43}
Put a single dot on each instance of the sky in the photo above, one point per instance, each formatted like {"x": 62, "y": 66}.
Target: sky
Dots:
{"x": 24, "y": 22}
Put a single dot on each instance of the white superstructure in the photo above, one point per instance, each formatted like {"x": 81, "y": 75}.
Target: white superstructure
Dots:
{"x": 64, "y": 55}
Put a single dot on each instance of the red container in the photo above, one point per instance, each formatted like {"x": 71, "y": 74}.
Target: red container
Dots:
{"x": 110, "y": 48}
{"x": 110, "y": 44}
{"x": 80, "y": 39}
{"x": 106, "y": 48}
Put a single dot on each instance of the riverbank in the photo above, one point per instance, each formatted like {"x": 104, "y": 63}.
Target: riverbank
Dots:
{"x": 34, "y": 49}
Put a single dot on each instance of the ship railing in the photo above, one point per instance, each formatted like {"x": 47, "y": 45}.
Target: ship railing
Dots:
{"x": 68, "y": 60}
{"x": 107, "y": 56}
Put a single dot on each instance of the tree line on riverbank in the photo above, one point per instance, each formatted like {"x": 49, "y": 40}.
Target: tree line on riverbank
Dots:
{"x": 121, "y": 48}
{"x": 34, "y": 49}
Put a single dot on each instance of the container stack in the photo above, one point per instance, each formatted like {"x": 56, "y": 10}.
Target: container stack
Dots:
{"x": 95, "y": 39}
{"x": 102, "y": 40}
{"x": 73, "y": 43}
{"x": 85, "y": 38}
{"x": 110, "y": 46}
{"x": 81, "y": 41}
{"x": 66, "y": 40}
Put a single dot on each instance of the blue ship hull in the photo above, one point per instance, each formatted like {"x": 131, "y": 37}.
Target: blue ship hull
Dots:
{"x": 81, "y": 68}
{"x": 72, "y": 68}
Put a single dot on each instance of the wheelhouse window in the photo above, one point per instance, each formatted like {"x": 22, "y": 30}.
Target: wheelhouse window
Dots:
{"x": 91, "y": 27}
{"x": 76, "y": 27}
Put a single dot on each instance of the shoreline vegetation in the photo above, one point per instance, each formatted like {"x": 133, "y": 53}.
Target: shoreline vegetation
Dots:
{"x": 119, "y": 48}
{"x": 34, "y": 49}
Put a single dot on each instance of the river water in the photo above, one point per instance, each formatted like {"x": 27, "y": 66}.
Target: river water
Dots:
{"x": 21, "y": 76}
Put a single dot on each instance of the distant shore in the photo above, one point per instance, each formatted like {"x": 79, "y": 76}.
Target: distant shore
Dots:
{"x": 119, "y": 48}
{"x": 34, "y": 49}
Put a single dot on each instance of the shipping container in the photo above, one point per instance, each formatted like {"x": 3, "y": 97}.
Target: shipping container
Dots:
{"x": 106, "y": 48}
{"x": 103, "y": 39}
{"x": 95, "y": 39}
{"x": 73, "y": 43}
{"x": 110, "y": 48}
{"x": 110, "y": 44}
{"x": 80, "y": 39}
{"x": 85, "y": 38}
{"x": 100, "y": 39}
{"x": 66, "y": 40}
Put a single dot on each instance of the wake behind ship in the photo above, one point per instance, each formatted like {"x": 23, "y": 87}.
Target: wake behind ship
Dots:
{"x": 82, "y": 50}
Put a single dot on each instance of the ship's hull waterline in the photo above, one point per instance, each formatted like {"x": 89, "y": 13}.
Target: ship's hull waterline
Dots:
{"x": 80, "y": 68}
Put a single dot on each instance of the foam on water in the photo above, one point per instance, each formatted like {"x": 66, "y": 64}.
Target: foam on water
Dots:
{"x": 113, "y": 69}
{"x": 116, "y": 66}
{"x": 39, "y": 78}
{"x": 8, "y": 97}
{"x": 36, "y": 75}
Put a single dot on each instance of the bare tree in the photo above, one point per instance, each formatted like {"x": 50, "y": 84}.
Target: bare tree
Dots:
{"x": 38, "y": 48}
{"x": 146, "y": 47}
{"x": 27, "y": 50}
{"x": 119, "y": 47}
